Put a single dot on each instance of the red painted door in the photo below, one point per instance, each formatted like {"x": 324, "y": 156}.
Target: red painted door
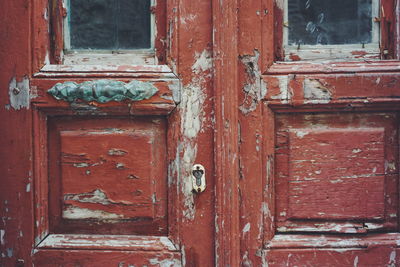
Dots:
{"x": 295, "y": 125}
{"x": 107, "y": 109}
{"x": 319, "y": 134}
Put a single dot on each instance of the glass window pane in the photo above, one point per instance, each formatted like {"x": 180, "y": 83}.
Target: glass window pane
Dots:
{"x": 109, "y": 24}
{"x": 329, "y": 22}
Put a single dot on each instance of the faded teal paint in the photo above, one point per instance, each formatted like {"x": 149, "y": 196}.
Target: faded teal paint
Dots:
{"x": 103, "y": 91}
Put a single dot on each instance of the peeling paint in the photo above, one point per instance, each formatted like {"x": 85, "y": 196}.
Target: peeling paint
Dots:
{"x": 192, "y": 118}
{"x": 203, "y": 62}
{"x": 246, "y": 228}
{"x": 75, "y": 213}
{"x": 316, "y": 92}
{"x": 246, "y": 262}
{"x": 117, "y": 152}
{"x": 19, "y": 93}
{"x": 254, "y": 87}
{"x": 301, "y": 134}
{"x": 10, "y": 252}
{"x": 284, "y": 93}
{"x": 96, "y": 196}
{"x": 175, "y": 87}
{"x": 166, "y": 262}
{"x": 2, "y": 233}
{"x": 28, "y": 188}
{"x": 392, "y": 259}
{"x": 355, "y": 263}
{"x": 188, "y": 157}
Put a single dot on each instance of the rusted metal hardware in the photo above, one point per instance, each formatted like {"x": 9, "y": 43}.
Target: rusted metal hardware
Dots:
{"x": 103, "y": 91}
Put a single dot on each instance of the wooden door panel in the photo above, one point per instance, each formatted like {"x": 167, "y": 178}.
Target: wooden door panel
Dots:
{"x": 31, "y": 57}
{"x": 107, "y": 175}
{"x": 334, "y": 174}
{"x": 101, "y": 178}
{"x": 332, "y": 157}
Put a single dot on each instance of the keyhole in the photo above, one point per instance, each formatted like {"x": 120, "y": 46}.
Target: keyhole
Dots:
{"x": 198, "y": 173}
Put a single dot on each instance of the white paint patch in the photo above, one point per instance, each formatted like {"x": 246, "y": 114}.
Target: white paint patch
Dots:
{"x": 265, "y": 209}
{"x": 188, "y": 157}
{"x": 390, "y": 166}
{"x": 97, "y": 196}
{"x": 301, "y": 134}
{"x": 166, "y": 262}
{"x": 10, "y": 252}
{"x": 45, "y": 14}
{"x": 192, "y": 117}
{"x": 316, "y": 92}
{"x": 75, "y": 213}
{"x": 203, "y": 62}
{"x": 246, "y": 228}
{"x": 188, "y": 19}
{"x": 28, "y": 188}
{"x": 192, "y": 106}
{"x": 336, "y": 181}
{"x": 356, "y": 151}
{"x": 19, "y": 93}
{"x": 355, "y": 263}
{"x": 2, "y": 233}
{"x": 284, "y": 94}
{"x": 280, "y": 4}
{"x": 254, "y": 87}
{"x": 392, "y": 259}
{"x": 246, "y": 261}
{"x": 175, "y": 87}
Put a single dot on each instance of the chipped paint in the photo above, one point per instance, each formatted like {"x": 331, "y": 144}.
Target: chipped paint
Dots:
{"x": 192, "y": 117}
{"x": 254, "y": 87}
{"x": 284, "y": 92}
{"x": 301, "y": 134}
{"x": 175, "y": 87}
{"x": 75, "y": 213}
{"x": 315, "y": 91}
{"x": 116, "y": 152}
{"x": 203, "y": 62}
{"x": 2, "y": 233}
{"x": 392, "y": 259}
{"x": 10, "y": 252}
{"x": 166, "y": 262}
{"x": 189, "y": 208}
{"x": 246, "y": 228}
{"x": 97, "y": 196}
{"x": 28, "y": 188}
{"x": 18, "y": 92}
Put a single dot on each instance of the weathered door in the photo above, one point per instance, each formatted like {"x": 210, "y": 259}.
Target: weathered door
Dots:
{"x": 291, "y": 106}
{"x": 106, "y": 107}
{"x": 319, "y": 133}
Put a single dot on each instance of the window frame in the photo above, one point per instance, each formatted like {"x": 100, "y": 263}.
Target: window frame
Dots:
{"x": 98, "y": 56}
{"x": 58, "y": 20}
{"x": 347, "y": 52}
{"x": 272, "y": 50}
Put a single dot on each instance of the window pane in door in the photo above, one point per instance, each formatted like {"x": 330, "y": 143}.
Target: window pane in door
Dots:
{"x": 329, "y": 22}
{"x": 109, "y": 24}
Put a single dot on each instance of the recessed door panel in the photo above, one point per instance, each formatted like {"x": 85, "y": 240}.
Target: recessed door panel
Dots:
{"x": 333, "y": 172}
{"x": 106, "y": 172}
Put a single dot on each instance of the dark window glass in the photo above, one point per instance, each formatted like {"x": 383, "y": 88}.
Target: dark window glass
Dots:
{"x": 109, "y": 24}
{"x": 329, "y": 22}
